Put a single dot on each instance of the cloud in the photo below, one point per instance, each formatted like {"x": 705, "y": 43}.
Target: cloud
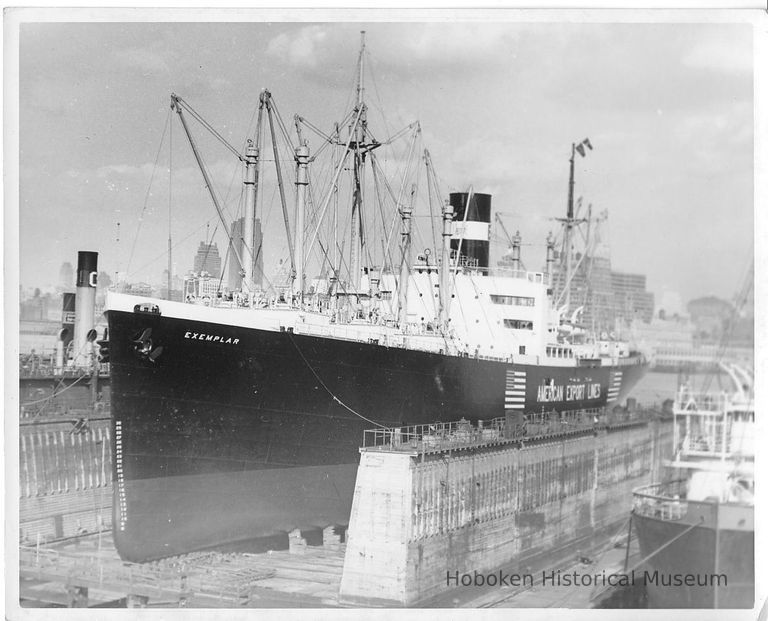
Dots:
{"x": 434, "y": 47}
{"x": 724, "y": 56}
{"x": 302, "y": 49}
{"x": 719, "y": 142}
{"x": 144, "y": 59}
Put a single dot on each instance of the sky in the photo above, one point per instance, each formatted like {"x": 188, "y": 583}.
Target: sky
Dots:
{"x": 668, "y": 108}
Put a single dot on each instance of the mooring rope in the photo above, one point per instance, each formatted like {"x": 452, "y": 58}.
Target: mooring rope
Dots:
{"x": 55, "y": 394}
{"x": 654, "y": 553}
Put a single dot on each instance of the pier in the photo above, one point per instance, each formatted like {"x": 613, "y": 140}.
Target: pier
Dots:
{"x": 432, "y": 502}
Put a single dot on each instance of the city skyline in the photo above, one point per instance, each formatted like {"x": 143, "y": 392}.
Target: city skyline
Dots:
{"x": 672, "y": 162}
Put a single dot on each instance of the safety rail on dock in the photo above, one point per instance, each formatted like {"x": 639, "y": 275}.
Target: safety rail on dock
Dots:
{"x": 463, "y": 434}
{"x": 44, "y": 366}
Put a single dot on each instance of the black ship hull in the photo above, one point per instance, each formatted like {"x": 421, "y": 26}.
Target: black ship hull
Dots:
{"x": 224, "y": 433}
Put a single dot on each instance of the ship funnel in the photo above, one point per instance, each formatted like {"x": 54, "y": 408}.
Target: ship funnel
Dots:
{"x": 471, "y": 228}
{"x": 85, "y": 302}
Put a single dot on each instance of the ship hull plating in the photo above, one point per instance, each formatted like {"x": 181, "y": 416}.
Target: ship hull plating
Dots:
{"x": 255, "y": 432}
{"x": 702, "y": 568}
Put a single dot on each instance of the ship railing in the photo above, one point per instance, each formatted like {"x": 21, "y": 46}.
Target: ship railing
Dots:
{"x": 510, "y": 428}
{"x": 668, "y": 502}
{"x": 41, "y": 365}
{"x": 534, "y": 277}
{"x": 436, "y": 436}
{"x": 663, "y": 500}
{"x": 709, "y": 403}
{"x": 689, "y": 402}
{"x": 552, "y": 422}
{"x": 628, "y": 361}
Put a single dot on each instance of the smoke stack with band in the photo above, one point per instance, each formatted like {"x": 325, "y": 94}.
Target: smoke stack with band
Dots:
{"x": 85, "y": 303}
{"x": 471, "y": 228}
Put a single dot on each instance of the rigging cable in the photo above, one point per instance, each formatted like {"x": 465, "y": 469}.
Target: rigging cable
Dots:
{"x": 656, "y": 551}
{"x": 149, "y": 189}
{"x": 428, "y": 165}
{"x": 401, "y": 194}
{"x": 55, "y": 394}
{"x": 386, "y": 254}
{"x": 328, "y": 390}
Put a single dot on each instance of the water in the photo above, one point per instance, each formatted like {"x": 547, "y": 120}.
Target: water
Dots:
{"x": 657, "y": 387}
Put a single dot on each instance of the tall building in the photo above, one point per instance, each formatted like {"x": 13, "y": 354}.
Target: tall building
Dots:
{"x": 67, "y": 276}
{"x": 234, "y": 273}
{"x": 208, "y": 260}
{"x": 590, "y": 289}
{"x": 630, "y": 297}
{"x": 605, "y": 294}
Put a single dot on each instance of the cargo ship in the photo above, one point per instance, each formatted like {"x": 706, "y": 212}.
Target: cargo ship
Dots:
{"x": 238, "y": 414}
{"x": 697, "y": 530}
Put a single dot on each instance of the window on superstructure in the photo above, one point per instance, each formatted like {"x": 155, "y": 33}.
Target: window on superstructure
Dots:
{"x": 518, "y": 324}
{"x": 512, "y": 300}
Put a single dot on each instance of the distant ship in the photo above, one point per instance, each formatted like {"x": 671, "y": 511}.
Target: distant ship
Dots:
{"x": 70, "y": 378}
{"x": 239, "y": 414}
{"x": 697, "y": 532}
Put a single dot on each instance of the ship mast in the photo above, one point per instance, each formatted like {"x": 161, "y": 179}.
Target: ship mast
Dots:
{"x": 357, "y": 241}
{"x": 568, "y": 229}
{"x": 251, "y": 164}
{"x": 570, "y": 221}
{"x": 302, "y": 181}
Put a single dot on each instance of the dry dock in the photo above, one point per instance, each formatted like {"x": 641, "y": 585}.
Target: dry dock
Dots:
{"x": 65, "y": 477}
{"x": 87, "y": 572}
{"x": 430, "y": 503}
{"x": 438, "y": 509}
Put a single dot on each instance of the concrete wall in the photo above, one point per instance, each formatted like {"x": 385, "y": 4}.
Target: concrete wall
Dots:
{"x": 417, "y": 518}
{"x": 65, "y": 480}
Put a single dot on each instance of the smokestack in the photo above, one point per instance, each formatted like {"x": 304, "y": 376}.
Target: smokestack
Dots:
{"x": 67, "y": 329}
{"x": 85, "y": 303}
{"x": 475, "y": 226}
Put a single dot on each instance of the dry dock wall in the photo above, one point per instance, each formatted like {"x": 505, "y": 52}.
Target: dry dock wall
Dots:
{"x": 417, "y": 517}
{"x": 65, "y": 480}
